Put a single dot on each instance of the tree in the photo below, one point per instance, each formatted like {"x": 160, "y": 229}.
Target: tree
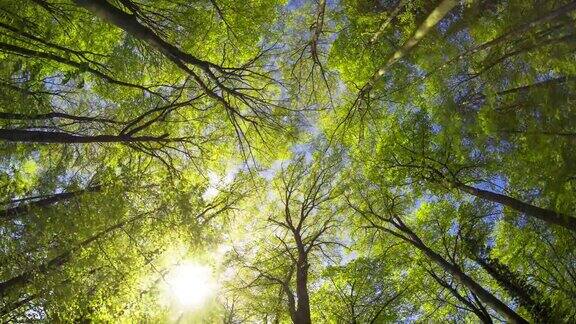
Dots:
{"x": 402, "y": 231}
{"x": 352, "y": 161}
{"x": 303, "y": 228}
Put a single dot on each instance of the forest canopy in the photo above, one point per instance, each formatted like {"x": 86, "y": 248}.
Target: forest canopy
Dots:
{"x": 288, "y": 161}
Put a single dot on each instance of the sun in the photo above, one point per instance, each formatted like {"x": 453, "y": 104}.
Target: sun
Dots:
{"x": 190, "y": 284}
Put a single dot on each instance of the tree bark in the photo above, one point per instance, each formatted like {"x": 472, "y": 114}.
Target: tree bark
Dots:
{"x": 23, "y": 208}
{"x": 455, "y": 271}
{"x": 489, "y": 65}
{"x": 401, "y": 4}
{"x": 318, "y": 27}
{"x": 302, "y": 314}
{"x": 465, "y": 280}
{"x": 525, "y": 294}
{"x": 485, "y": 318}
{"x": 107, "y": 12}
{"x": 546, "y": 215}
{"x": 54, "y": 115}
{"x": 13, "y": 284}
{"x": 509, "y": 34}
{"x": 130, "y": 24}
{"x": 542, "y": 84}
{"x": 28, "y": 136}
{"x": 522, "y": 90}
{"x": 549, "y": 16}
{"x": 10, "y": 307}
{"x": 82, "y": 66}
{"x": 435, "y": 16}
{"x": 303, "y": 308}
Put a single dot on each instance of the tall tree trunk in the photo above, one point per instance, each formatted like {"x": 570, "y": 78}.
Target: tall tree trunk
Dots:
{"x": 510, "y": 34}
{"x": 435, "y": 16}
{"x": 401, "y": 4}
{"x": 520, "y": 29}
{"x": 23, "y": 208}
{"x": 302, "y": 295}
{"x": 31, "y": 136}
{"x": 318, "y": 28}
{"x": 303, "y": 308}
{"x": 524, "y": 50}
{"x": 465, "y": 280}
{"x": 132, "y": 26}
{"x": 546, "y": 215}
{"x": 542, "y": 84}
{"x": 54, "y": 115}
{"x": 480, "y": 313}
{"x": 113, "y": 15}
{"x": 522, "y": 90}
{"x": 13, "y": 284}
{"x": 455, "y": 271}
{"x": 568, "y": 135}
{"x": 82, "y": 66}
{"x": 525, "y": 294}
{"x": 10, "y": 307}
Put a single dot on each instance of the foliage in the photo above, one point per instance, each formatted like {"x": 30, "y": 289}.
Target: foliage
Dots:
{"x": 351, "y": 161}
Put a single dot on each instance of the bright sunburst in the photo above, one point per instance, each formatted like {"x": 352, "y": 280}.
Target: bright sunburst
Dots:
{"x": 191, "y": 284}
